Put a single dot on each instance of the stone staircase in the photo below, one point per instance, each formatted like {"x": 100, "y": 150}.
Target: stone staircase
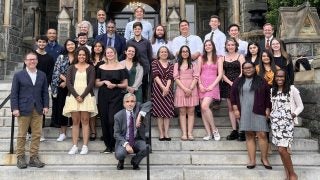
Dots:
{"x": 174, "y": 160}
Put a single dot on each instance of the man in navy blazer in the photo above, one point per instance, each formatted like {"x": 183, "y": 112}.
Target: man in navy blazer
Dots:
{"x": 111, "y": 38}
{"x": 29, "y": 101}
{"x": 99, "y": 26}
{"x": 124, "y": 145}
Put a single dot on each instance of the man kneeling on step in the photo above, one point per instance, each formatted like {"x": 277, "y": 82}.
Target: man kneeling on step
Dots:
{"x": 129, "y": 131}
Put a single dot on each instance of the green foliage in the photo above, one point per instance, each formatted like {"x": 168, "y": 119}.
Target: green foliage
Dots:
{"x": 273, "y": 8}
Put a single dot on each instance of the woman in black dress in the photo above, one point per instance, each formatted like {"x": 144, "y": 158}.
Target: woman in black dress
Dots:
{"x": 112, "y": 80}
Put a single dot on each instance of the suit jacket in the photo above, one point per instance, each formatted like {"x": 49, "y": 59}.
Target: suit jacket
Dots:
{"x": 262, "y": 43}
{"x": 25, "y": 96}
{"x": 119, "y": 44}
{"x": 120, "y": 123}
{"x": 95, "y": 29}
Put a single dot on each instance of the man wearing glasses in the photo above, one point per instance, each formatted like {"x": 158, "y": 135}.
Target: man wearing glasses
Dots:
{"x": 113, "y": 39}
{"x": 29, "y": 101}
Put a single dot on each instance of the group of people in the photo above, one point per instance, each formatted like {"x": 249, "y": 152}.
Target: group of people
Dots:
{"x": 102, "y": 72}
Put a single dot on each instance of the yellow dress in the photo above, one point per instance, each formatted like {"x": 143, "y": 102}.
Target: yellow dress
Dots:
{"x": 89, "y": 102}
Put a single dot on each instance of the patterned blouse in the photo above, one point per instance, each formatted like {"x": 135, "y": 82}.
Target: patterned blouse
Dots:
{"x": 60, "y": 68}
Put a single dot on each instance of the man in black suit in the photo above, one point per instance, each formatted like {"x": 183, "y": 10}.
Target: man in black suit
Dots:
{"x": 29, "y": 101}
{"x": 129, "y": 131}
{"x": 99, "y": 27}
{"x": 113, "y": 39}
{"x": 265, "y": 43}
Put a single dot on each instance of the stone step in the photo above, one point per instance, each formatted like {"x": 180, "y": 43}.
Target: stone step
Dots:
{"x": 174, "y": 145}
{"x": 175, "y": 132}
{"x": 167, "y": 158}
{"x": 156, "y": 172}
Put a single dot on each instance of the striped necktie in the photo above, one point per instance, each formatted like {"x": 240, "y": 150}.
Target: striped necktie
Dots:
{"x": 101, "y": 29}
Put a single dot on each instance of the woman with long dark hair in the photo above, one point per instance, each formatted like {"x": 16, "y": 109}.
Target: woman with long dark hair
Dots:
{"x": 253, "y": 53}
{"x": 59, "y": 88}
{"x": 211, "y": 71}
{"x": 286, "y": 106}
{"x": 80, "y": 102}
{"x": 250, "y": 98}
{"x": 135, "y": 71}
{"x": 267, "y": 67}
{"x": 186, "y": 75}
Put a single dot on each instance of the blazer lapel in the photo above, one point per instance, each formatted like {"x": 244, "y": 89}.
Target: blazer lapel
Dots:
{"x": 28, "y": 77}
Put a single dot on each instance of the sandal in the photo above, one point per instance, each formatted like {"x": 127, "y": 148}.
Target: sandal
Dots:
{"x": 92, "y": 137}
{"x": 190, "y": 137}
{"x": 184, "y": 137}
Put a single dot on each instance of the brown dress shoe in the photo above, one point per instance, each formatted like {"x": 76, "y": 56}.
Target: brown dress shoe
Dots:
{"x": 35, "y": 162}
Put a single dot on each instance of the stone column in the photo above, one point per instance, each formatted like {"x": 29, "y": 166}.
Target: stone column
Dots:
{"x": 64, "y": 25}
{"x": 173, "y": 24}
{"x": 182, "y": 5}
{"x": 36, "y": 12}
{"x": 163, "y": 14}
{"x": 6, "y": 18}
{"x": 236, "y": 11}
{"x": 80, "y": 10}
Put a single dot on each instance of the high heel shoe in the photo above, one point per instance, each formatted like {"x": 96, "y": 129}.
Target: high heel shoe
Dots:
{"x": 251, "y": 166}
{"x": 266, "y": 166}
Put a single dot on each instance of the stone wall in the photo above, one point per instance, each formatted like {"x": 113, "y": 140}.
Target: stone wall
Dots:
{"x": 311, "y": 100}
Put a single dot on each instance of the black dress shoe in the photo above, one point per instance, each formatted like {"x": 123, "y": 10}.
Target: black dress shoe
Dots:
{"x": 251, "y": 166}
{"x": 135, "y": 166}
{"x": 107, "y": 151}
{"x": 233, "y": 135}
{"x": 162, "y": 139}
{"x": 120, "y": 164}
{"x": 266, "y": 166}
{"x": 242, "y": 136}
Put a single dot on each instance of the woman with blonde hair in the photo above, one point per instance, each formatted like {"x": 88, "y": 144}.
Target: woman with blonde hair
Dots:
{"x": 112, "y": 80}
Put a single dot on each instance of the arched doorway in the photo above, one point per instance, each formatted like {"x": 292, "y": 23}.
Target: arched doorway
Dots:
{"x": 122, "y": 12}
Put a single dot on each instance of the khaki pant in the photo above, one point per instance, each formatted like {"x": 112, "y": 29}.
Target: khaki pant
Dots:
{"x": 35, "y": 122}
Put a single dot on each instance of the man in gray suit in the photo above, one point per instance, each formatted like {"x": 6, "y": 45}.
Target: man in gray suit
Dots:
{"x": 29, "y": 101}
{"x": 129, "y": 131}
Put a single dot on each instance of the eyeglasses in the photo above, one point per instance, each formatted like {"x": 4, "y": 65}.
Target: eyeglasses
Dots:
{"x": 130, "y": 101}
{"x": 246, "y": 68}
{"x": 186, "y": 51}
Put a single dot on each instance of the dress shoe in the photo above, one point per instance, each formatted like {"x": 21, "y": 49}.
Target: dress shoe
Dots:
{"x": 135, "y": 166}
{"x": 107, "y": 151}
{"x": 167, "y": 139}
{"x": 266, "y": 166}
{"x": 120, "y": 164}
{"x": 251, "y": 166}
{"x": 233, "y": 135}
{"x": 242, "y": 136}
{"x": 162, "y": 139}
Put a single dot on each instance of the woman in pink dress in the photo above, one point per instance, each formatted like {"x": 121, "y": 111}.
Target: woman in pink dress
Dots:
{"x": 211, "y": 72}
{"x": 186, "y": 76}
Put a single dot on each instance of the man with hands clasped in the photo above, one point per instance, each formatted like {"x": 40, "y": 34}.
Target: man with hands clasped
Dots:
{"x": 129, "y": 131}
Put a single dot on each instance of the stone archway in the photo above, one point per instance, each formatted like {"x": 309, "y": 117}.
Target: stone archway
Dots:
{"x": 118, "y": 11}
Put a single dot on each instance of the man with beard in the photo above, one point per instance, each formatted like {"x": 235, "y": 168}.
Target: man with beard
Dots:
{"x": 159, "y": 39}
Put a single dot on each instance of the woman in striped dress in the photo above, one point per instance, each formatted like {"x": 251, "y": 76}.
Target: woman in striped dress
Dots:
{"x": 162, "y": 92}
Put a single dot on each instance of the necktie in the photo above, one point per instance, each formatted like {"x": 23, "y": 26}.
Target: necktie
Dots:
{"x": 268, "y": 44}
{"x": 109, "y": 42}
{"x": 187, "y": 41}
{"x": 211, "y": 36}
{"x": 101, "y": 29}
{"x": 131, "y": 130}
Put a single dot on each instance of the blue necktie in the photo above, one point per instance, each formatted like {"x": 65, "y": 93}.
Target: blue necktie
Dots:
{"x": 101, "y": 29}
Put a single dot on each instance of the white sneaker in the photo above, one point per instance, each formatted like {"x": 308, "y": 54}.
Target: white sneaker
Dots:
{"x": 216, "y": 135}
{"x": 73, "y": 150}
{"x": 84, "y": 150}
{"x": 42, "y": 138}
{"x": 207, "y": 138}
{"x": 61, "y": 137}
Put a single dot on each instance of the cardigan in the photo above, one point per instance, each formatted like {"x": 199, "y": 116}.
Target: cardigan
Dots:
{"x": 261, "y": 97}
{"x": 71, "y": 74}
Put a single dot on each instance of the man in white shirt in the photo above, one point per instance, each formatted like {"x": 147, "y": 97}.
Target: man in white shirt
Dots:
{"x": 234, "y": 31}
{"x": 147, "y": 27}
{"x": 268, "y": 36}
{"x": 192, "y": 41}
{"x": 218, "y": 37}
{"x": 82, "y": 41}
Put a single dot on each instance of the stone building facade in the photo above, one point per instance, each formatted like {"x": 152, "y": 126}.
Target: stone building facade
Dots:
{"x": 22, "y": 20}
